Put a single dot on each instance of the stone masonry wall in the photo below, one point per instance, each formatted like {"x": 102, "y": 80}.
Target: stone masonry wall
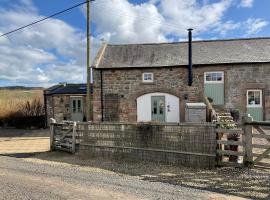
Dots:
{"x": 242, "y": 78}
{"x": 127, "y": 83}
{"x": 58, "y": 107}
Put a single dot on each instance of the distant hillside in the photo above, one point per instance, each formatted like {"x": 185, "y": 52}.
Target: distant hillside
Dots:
{"x": 20, "y": 88}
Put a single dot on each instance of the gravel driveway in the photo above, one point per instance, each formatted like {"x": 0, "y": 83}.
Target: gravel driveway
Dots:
{"x": 17, "y": 141}
{"x": 28, "y": 171}
{"x": 37, "y": 179}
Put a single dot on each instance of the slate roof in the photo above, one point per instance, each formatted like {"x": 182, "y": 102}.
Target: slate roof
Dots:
{"x": 67, "y": 89}
{"x": 208, "y": 52}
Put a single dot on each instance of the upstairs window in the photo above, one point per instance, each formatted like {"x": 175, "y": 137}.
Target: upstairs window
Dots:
{"x": 148, "y": 77}
{"x": 214, "y": 77}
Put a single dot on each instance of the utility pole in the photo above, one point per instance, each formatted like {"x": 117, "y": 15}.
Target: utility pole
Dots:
{"x": 88, "y": 67}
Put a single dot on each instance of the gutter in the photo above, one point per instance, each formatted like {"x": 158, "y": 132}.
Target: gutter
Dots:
{"x": 101, "y": 96}
{"x": 45, "y": 108}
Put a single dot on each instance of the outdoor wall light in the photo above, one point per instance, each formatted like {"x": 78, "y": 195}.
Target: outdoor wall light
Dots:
{"x": 168, "y": 108}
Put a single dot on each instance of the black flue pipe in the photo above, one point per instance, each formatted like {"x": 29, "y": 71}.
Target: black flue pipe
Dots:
{"x": 190, "y": 78}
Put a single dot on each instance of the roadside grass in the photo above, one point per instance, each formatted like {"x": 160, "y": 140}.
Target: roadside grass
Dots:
{"x": 15, "y": 104}
{"x": 12, "y": 100}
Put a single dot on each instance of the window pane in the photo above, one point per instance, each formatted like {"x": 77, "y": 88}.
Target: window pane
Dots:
{"x": 155, "y": 107}
{"x": 161, "y": 107}
{"x": 257, "y": 98}
{"x": 214, "y": 76}
{"x": 219, "y": 76}
{"x": 74, "y": 105}
{"x": 208, "y": 77}
{"x": 251, "y": 98}
{"x": 79, "y": 106}
{"x": 144, "y": 76}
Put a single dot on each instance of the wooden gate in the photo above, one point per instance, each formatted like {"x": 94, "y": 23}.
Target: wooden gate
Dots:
{"x": 63, "y": 136}
{"x": 230, "y": 147}
{"x": 258, "y": 142}
{"x": 248, "y": 146}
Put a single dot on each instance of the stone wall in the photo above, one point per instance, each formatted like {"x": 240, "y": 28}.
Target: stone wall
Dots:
{"x": 58, "y": 107}
{"x": 127, "y": 83}
{"x": 243, "y": 77}
{"x": 192, "y": 145}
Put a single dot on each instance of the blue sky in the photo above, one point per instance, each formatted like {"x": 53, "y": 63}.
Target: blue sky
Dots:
{"x": 54, "y": 51}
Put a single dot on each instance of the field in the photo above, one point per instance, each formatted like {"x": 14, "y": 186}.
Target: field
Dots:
{"x": 11, "y": 100}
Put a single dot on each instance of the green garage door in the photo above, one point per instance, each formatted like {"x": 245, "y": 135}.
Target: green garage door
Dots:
{"x": 214, "y": 87}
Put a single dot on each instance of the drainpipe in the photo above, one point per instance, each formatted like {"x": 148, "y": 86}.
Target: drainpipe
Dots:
{"x": 45, "y": 108}
{"x": 190, "y": 57}
{"x": 101, "y": 95}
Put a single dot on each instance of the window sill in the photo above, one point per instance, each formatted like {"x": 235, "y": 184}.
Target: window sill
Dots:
{"x": 147, "y": 83}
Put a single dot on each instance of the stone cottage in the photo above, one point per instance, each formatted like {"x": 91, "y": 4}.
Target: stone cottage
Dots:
{"x": 149, "y": 82}
{"x": 66, "y": 102}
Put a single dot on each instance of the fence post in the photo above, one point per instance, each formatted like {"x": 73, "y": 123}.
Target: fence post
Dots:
{"x": 74, "y": 137}
{"x": 52, "y": 122}
{"x": 248, "y": 129}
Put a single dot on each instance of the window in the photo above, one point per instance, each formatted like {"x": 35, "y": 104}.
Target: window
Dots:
{"x": 148, "y": 77}
{"x": 74, "y": 106}
{"x": 254, "y": 98}
{"x": 213, "y": 77}
{"x": 79, "y": 106}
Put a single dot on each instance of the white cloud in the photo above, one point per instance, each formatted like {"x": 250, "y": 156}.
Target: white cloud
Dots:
{"x": 226, "y": 27}
{"x": 122, "y": 22}
{"x": 255, "y": 25}
{"x": 189, "y": 13}
{"x": 43, "y": 54}
{"x": 246, "y": 3}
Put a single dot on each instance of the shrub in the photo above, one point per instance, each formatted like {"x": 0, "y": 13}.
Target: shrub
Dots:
{"x": 29, "y": 114}
{"x": 235, "y": 114}
{"x": 210, "y": 99}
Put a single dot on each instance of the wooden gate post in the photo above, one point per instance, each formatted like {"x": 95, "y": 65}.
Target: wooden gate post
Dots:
{"x": 248, "y": 129}
{"x": 74, "y": 137}
{"x": 52, "y": 122}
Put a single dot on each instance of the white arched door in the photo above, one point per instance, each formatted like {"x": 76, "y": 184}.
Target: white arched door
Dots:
{"x": 161, "y": 107}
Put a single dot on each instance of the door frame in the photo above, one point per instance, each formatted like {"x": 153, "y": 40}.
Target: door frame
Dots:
{"x": 71, "y": 106}
{"x": 223, "y": 81}
{"x": 261, "y": 100}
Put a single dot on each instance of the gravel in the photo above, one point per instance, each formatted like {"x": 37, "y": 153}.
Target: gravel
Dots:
{"x": 245, "y": 183}
{"x": 36, "y": 179}
{"x": 59, "y": 175}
